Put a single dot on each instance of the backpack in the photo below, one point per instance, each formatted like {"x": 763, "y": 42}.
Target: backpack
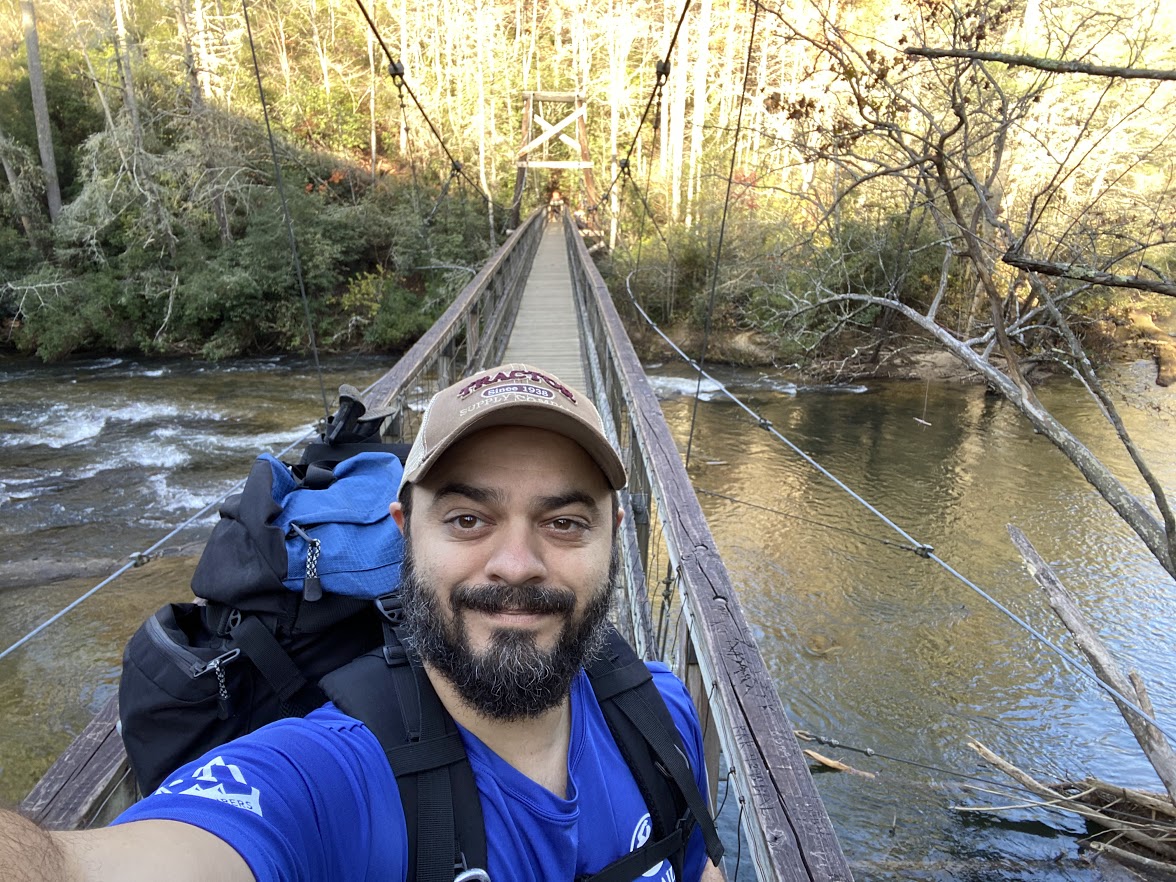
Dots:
{"x": 436, "y": 782}
{"x": 284, "y": 587}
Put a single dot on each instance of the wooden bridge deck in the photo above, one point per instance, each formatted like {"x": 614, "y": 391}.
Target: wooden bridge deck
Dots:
{"x": 547, "y": 329}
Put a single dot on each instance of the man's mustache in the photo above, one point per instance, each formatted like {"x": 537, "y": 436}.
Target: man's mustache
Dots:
{"x": 535, "y": 599}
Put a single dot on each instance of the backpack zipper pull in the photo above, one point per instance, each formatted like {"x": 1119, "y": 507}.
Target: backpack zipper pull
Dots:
{"x": 312, "y": 588}
{"x": 224, "y": 709}
{"x": 224, "y": 701}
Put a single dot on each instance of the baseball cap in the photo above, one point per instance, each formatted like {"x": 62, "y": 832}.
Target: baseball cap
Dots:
{"x": 510, "y": 395}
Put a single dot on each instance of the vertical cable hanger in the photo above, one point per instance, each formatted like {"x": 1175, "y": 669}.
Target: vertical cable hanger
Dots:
{"x": 281, "y": 187}
{"x": 710, "y": 308}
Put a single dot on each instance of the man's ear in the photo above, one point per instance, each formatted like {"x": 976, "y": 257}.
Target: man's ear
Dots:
{"x": 397, "y": 513}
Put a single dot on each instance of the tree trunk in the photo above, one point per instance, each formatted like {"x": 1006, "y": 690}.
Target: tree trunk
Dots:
{"x": 205, "y": 58}
{"x": 41, "y": 109}
{"x": 1155, "y": 746}
{"x": 122, "y": 52}
{"x": 374, "y": 81}
{"x": 702, "y": 62}
{"x": 320, "y": 49}
{"x": 194, "y": 87}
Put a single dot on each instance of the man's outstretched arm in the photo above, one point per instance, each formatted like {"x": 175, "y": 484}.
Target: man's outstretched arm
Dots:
{"x": 136, "y": 852}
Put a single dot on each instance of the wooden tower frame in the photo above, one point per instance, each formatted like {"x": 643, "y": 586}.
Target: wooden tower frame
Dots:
{"x": 523, "y": 161}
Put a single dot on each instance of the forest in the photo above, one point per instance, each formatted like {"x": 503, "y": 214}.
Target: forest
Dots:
{"x": 993, "y": 174}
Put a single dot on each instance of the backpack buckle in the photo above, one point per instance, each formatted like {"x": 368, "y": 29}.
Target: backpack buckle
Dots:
{"x": 465, "y": 873}
{"x": 391, "y": 608}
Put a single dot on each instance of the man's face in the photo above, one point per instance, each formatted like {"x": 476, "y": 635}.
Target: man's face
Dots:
{"x": 509, "y": 567}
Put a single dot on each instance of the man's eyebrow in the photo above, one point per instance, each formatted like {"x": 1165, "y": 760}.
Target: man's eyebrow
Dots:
{"x": 469, "y": 491}
{"x": 572, "y": 497}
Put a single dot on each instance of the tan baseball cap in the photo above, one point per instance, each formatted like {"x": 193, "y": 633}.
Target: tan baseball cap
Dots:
{"x": 510, "y": 395}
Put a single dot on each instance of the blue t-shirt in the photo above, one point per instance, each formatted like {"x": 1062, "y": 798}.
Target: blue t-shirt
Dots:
{"x": 314, "y": 800}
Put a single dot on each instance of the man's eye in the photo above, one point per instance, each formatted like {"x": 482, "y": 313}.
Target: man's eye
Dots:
{"x": 565, "y": 525}
{"x": 466, "y": 521}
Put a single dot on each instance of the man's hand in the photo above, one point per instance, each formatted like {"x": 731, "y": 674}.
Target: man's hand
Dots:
{"x": 138, "y": 852}
{"x": 711, "y": 873}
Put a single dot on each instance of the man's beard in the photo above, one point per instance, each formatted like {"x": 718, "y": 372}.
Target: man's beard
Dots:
{"x": 513, "y": 679}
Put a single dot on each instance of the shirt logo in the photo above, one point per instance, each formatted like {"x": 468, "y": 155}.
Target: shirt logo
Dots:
{"x": 220, "y": 781}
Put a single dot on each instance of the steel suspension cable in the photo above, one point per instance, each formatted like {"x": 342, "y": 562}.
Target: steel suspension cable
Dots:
{"x": 663, "y": 74}
{"x": 396, "y": 69}
{"x": 280, "y": 184}
{"x": 710, "y": 307}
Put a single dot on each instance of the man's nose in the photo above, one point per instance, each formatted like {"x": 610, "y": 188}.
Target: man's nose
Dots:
{"x": 516, "y": 557}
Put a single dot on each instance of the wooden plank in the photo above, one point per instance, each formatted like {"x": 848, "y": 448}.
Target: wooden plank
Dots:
{"x": 586, "y": 156}
{"x": 550, "y": 131}
{"x": 78, "y": 784}
{"x": 547, "y": 330}
{"x": 565, "y": 97}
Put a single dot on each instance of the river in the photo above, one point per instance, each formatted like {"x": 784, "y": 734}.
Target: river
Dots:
{"x": 869, "y": 644}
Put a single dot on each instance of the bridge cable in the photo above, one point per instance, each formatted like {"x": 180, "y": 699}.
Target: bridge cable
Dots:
{"x": 396, "y": 70}
{"x": 920, "y": 550}
{"x": 927, "y": 552}
{"x": 410, "y": 144}
{"x": 710, "y": 307}
{"x": 663, "y": 74}
{"x": 281, "y": 188}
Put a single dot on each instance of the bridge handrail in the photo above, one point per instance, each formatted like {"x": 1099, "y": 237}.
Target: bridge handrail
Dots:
{"x": 790, "y": 834}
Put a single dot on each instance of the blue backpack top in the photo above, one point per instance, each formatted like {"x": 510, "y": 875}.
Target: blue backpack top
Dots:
{"x": 340, "y": 539}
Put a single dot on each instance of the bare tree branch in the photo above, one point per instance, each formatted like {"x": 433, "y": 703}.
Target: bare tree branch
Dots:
{"x": 1085, "y": 274}
{"x": 1047, "y": 64}
{"x": 1155, "y": 746}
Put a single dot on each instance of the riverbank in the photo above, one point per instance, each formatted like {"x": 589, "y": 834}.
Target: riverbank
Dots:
{"x": 1142, "y": 329}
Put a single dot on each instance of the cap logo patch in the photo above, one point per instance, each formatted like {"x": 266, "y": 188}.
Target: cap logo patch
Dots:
{"x": 536, "y": 377}
{"x": 518, "y": 389}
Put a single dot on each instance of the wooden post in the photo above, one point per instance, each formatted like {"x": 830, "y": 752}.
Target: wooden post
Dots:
{"x": 586, "y": 156}
{"x": 689, "y": 673}
{"x": 553, "y": 132}
{"x": 521, "y": 173}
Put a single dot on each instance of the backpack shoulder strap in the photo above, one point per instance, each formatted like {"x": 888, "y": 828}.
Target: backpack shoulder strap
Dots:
{"x": 651, "y": 745}
{"x": 425, "y": 751}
